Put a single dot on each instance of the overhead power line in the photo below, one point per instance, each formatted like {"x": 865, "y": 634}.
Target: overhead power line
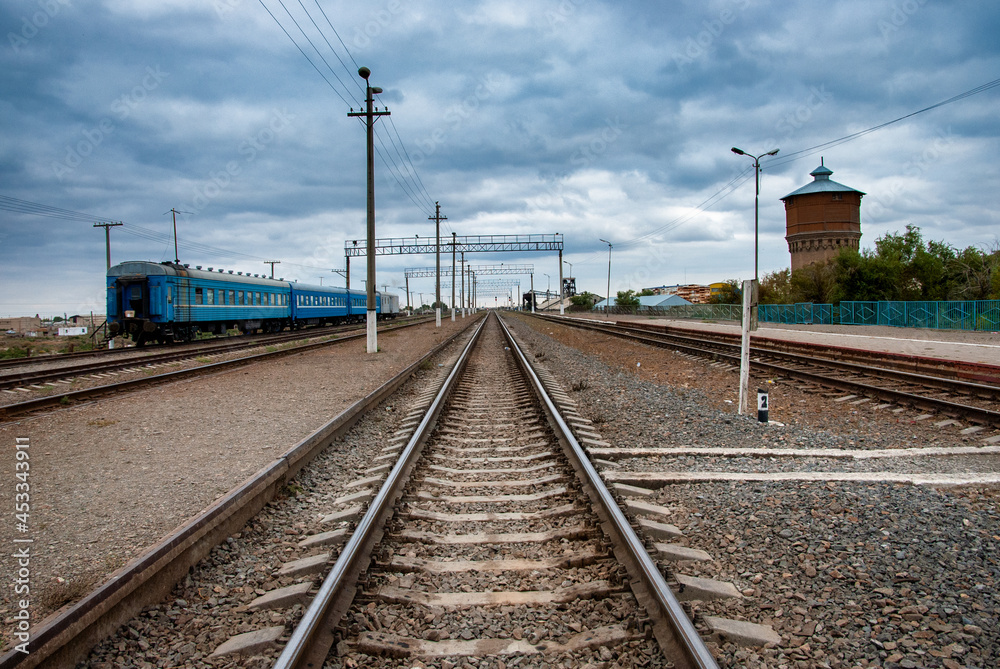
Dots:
{"x": 746, "y": 174}
{"x": 16, "y": 205}
{"x": 404, "y": 171}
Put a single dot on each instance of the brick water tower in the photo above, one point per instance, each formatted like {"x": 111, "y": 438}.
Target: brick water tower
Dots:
{"x": 821, "y": 218}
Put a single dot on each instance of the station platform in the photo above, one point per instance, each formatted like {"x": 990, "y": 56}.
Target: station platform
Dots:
{"x": 958, "y": 345}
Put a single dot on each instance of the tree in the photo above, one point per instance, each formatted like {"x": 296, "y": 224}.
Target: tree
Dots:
{"x": 731, "y": 294}
{"x": 816, "y": 283}
{"x": 585, "y": 300}
{"x": 627, "y": 299}
{"x": 646, "y": 292}
{"x": 776, "y": 288}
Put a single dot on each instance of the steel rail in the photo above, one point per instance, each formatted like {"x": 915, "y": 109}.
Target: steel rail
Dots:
{"x": 220, "y": 340}
{"x": 312, "y": 638}
{"x": 974, "y": 414}
{"x": 975, "y": 375}
{"x": 64, "y": 638}
{"x": 193, "y": 350}
{"x": 690, "y": 643}
{"x": 8, "y": 411}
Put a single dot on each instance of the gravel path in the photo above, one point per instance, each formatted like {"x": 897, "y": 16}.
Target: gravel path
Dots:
{"x": 849, "y": 575}
{"x": 110, "y": 478}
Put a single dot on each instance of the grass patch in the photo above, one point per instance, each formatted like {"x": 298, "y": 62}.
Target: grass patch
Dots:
{"x": 426, "y": 365}
{"x": 13, "y": 352}
{"x": 204, "y": 359}
{"x": 580, "y": 385}
{"x": 101, "y": 422}
{"x": 65, "y": 592}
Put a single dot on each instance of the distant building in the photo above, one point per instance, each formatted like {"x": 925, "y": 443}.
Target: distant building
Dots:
{"x": 821, "y": 218}
{"x": 647, "y": 302}
{"x": 21, "y": 325}
{"x": 691, "y": 292}
{"x": 718, "y": 288}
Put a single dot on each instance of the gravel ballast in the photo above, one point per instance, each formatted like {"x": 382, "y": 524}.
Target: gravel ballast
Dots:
{"x": 110, "y": 478}
{"x": 850, "y": 575}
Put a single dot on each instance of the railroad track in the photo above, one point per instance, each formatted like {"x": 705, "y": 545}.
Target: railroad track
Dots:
{"x": 100, "y": 371}
{"x": 481, "y": 533}
{"x": 975, "y": 402}
{"x": 67, "y": 636}
{"x": 492, "y": 537}
{"x": 69, "y": 365}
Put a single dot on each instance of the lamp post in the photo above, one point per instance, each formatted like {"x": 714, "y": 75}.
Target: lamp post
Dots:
{"x": 370, "y": 117}
{"x": 548, "y": 284}
{"x": 756, "y": 197}
{"x": 608, "y": 303}
{"x": 750, "y": 291}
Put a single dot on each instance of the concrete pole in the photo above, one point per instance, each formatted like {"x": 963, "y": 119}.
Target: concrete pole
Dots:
{"x": 562, "y": 309}
{"x": 462, "y": 294}
{"x": 532, "y": 275}
{"x": 744, "y": 400}
{"x": 453, "y": 277}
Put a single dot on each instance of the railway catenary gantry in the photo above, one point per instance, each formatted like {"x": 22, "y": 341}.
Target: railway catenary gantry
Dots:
{"x": 466, "y": 273}
{"x": 459, "y": 244}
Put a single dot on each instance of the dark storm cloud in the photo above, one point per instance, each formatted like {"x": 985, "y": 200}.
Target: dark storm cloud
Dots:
{"x": 588, "y": 118}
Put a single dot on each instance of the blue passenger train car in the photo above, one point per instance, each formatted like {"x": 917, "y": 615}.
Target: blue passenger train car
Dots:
{"x": 165, "y": 302}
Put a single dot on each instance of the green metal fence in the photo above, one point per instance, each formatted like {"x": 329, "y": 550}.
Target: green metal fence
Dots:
{"x": 951, "y": 315}
{"x": 954, "y": 315}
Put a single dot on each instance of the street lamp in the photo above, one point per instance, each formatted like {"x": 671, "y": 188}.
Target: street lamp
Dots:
{"x": 570, "y": 268}
{"x": 608, "y": 303}
{"x": 756, "y": 197}
{"x": 548, "y": 284}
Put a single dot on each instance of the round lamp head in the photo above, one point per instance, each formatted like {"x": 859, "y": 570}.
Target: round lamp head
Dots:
{"x": 364, "y": 73}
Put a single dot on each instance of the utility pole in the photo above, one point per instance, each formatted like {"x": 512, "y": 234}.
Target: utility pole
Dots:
{"x": 462, "y": 295}
{"x": 107, "y": 237}
{"x": 452, "y": 277}
{"x": 177, "y": 257}
{"x": 437, "y": 218}
{"x": 272, "y": 263}
{"x": 532, "y": 292}
{"x": 370, "y": 118}
{"x": 562, "y": 296}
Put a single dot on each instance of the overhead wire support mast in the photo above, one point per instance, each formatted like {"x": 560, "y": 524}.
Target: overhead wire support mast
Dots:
{"x": 437, "y": 218}
{"x": 370, "y": 118}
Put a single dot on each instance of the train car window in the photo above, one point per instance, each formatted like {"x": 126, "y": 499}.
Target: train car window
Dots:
{"x": 232, "y": 297}
{"x": 170, "y": 294}
{"x": 239, "y": 298}
{"x": 271, "y": 299}
{"x": 210, "y": 296}
{"x": 199, "y": 296}
{"x": 256, "y": 297}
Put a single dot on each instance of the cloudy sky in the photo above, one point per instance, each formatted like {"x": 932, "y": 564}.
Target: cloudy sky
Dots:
{"x": 591, "y": 119}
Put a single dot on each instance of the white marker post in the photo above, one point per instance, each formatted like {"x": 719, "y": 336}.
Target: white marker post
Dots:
{"x": 749, "y": 323}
